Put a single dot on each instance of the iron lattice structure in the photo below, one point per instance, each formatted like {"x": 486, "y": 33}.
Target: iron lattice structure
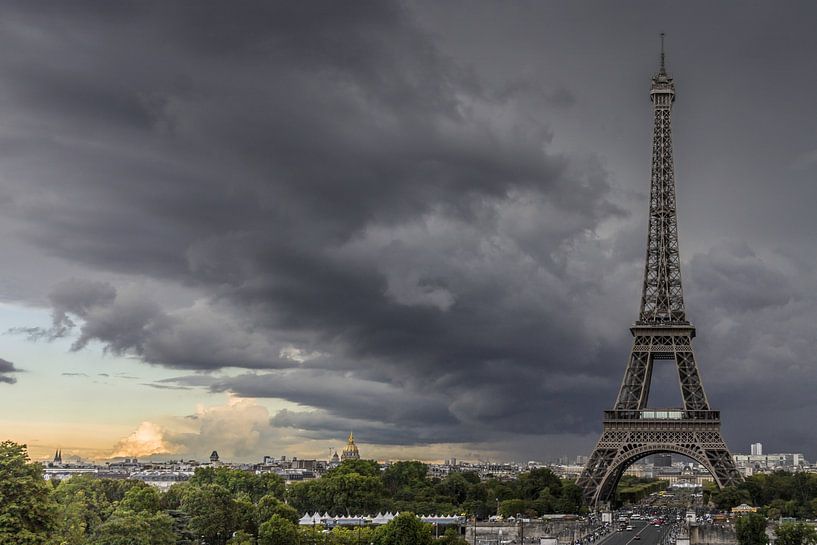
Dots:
{"x": 662, "y": 332}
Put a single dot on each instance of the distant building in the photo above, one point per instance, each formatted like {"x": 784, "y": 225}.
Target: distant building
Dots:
{"x": 58, "y": 456}
{"x": 751, "y": 463}
{"x": 214, "y": 457}
{"x": 350, "y": 451}
{"x": 743, "y": 509}
{"x": 662, "y": 460}
{"x": 162, "y": 479}
{"x": 756, "y": 449}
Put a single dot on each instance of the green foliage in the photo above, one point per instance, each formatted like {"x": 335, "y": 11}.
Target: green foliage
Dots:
{"x": 141, "y": 499}
{"x": 26, "y": 508}
{"x": 213, "y": 512}
{"x": 451, "y": 537}
{"x": 729, "y": 497}
{"x": 405, "y": 529}
{"x": 135, "y": 528}
{"x": 633, "y": 490}
{"x": 311, "y": 535}
{"x": 241, "y": 538}
{"x": 404, "y": 486}
{"x": 349, "y": 536}
{"x": 795, "y": 533}
{"x": 235, "y": 480}
{"x": 82, "y": 505}
{"x": 511, "y": 508}
{"x": 366, "y": 468}
{"x": 751, "y": 529}
{"x": 781, "y": 493}
{"x": 277, "y": 531}
{"x": 532, "y": 484}
{"x": 270, "y": 505}
{"x": 172, "y": 499}
{"x": 404, "y": 475}
{"x": 340, "y": 492}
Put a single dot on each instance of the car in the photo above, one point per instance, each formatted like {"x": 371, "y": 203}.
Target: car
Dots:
{"x": 637, "y": 536}
{"x": 629, "y": 528}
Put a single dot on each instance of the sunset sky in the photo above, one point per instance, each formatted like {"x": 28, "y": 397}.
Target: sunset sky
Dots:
{"x": 257, "y": 226}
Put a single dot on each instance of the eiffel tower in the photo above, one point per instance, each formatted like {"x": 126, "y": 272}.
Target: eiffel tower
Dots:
{"x": 631, "y": 430}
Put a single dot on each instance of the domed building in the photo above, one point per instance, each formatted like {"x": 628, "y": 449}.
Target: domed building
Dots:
{"x": 350, "y": 451}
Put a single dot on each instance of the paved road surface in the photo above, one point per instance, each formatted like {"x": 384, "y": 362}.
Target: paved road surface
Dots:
{"x": 648, "y": 534}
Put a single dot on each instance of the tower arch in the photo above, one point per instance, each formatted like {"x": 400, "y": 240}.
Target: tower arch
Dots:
{"x": 608, "y": 485}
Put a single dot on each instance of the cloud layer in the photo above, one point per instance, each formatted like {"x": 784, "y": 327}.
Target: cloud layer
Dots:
{"x": 371, "y": 227}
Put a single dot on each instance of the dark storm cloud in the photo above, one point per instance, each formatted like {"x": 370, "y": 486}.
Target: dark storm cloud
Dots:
{"x": 131, "y": 322}
{"x": 390, "y": 233}
{"x": 734, "y": 278}
{"x": 6, "y": 370}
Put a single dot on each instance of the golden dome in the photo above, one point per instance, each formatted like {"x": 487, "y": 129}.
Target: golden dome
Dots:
{"x": 350, "y": 451}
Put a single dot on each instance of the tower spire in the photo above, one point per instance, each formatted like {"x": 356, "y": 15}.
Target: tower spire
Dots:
{"x": 663, "y": 70}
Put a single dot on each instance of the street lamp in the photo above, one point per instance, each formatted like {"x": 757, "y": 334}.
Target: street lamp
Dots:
{"x": 521, "y": 523}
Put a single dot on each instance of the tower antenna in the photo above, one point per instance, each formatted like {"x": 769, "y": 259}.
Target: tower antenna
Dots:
{"x": 663, "y": 68}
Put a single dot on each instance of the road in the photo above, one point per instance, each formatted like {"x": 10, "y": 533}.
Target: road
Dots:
{"x": 648, "y": 534}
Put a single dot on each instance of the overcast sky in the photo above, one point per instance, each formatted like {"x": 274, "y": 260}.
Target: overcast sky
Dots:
{"x": 256, "y": 226}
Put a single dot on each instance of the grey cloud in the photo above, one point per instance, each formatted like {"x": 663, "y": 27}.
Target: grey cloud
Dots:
{"x": 732, "y": 276}
{"x": 165, "y": 386}
{"x": 6, "y": 370}
{"x": 128, "y": 321}
{"x": 323, "y": 426}
{"x": 394, "y": 222}
{"x": 369, "y": 203}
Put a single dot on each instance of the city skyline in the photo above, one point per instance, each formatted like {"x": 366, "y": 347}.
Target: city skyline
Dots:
{"x": 415, "y": 221}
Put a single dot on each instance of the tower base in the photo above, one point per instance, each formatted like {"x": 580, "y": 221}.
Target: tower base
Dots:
{"x": 630, "y": 435}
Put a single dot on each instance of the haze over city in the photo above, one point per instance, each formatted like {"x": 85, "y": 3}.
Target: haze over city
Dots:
{"x": 258, "y": 230}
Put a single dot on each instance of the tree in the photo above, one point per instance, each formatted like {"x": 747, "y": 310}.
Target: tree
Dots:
{"x": 405, "y": 529}
{"x": 456, "y": 487}
{"x": 795, "y": 533}
{"x": 26, "y": 508}
{"x": 212, "y": 512}
{"x": 277, "y": 531}
{"x": 571, "y": 500}
{"x": 311, "y": 535}
{"x": 237, "y": 480}
{"x": 730, "y": 496}
{"x": 241, "y": 538}
{"x": 509, "y": 508}
{"x": 141, "y": 499}
{"x": 405, "y": 474}
{"x": 751, "y": 529}
{"x": 367, "y": 468}
{"x": 348, "y": 536}
{"x": 345, "y": 492}
{"x": 270, "y": 505}
{"x": 533, "y": 483}
{"x": 172, "y": 498}
{"x": 83, "y": 503}
{"x": 132, "y": 528}
{"x": 451, "y": 537}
